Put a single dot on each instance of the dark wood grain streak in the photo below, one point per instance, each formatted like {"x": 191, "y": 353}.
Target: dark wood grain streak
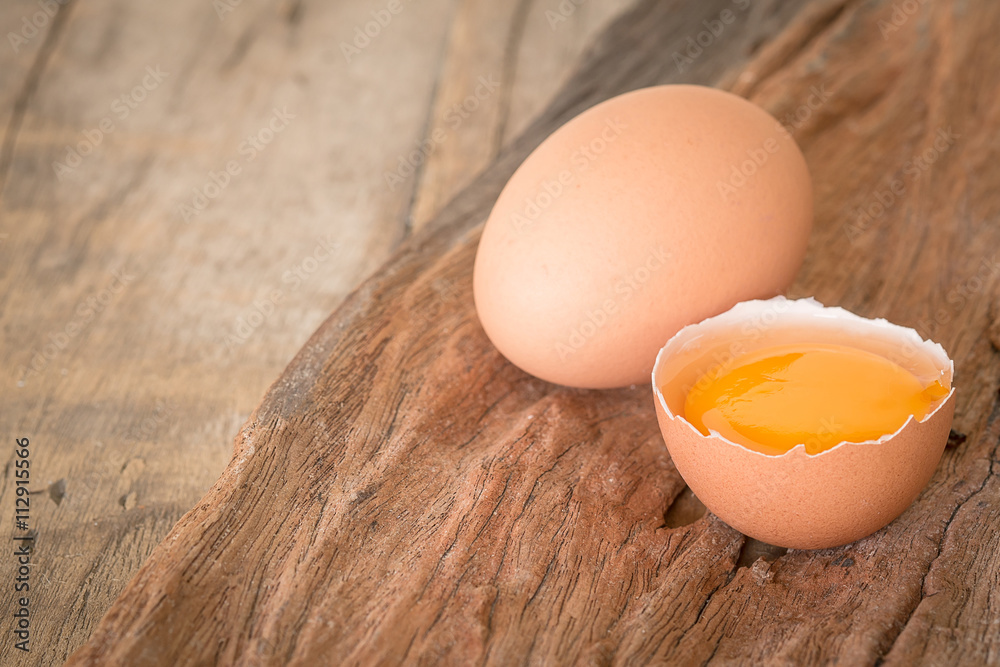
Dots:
{"x": 402, "y": 494}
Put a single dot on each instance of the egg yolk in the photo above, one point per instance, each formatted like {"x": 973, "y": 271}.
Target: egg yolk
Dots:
{"x": 816, "y": 395}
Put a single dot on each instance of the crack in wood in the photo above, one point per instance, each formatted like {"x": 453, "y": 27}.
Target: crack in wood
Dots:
{"x": 241, "y": 48}
{"x": 955, "y": 439}
{"x": 697, "y": 618}
{"x": 684, "y": 510}
{"x": 754, "y": 550}
{"x": 28, "y": 88}
{"x": 407, "y": 232}
{"x": 294, "y": 12}
{"x": 991, "y": 420}
{"x": 815, "y": 25}
{"x": 509, "y": 68}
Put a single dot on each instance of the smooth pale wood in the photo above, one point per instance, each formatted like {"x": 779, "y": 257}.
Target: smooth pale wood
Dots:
{"x": 403, "y": 493}
{"x": 131, "y": 421}
{"x": 24, "y": 55}
{"x": 528, "y": 49}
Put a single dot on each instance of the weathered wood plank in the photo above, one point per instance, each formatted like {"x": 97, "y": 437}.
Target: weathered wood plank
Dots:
{"x": 132, "y": 411}
{"x": 424, "y": 500}
{"x": 30, "y": 35}
{"x": 401, "y": 490}
{"x": 463, "y": 511}
{"x": 504, "y": 63}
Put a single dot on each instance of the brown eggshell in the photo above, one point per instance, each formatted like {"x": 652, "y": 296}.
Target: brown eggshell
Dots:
{"x": 809, "y": 502}
{"x": 647, "y": 212}
{"x": 798, "y": 500}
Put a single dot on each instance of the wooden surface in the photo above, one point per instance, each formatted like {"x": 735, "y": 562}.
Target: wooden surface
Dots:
{"x": 403, "y": 493}
{"x": 132, "y": 420}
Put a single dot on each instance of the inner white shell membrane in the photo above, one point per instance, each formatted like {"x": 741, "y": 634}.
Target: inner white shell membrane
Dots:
{"x": 713, "y": 345}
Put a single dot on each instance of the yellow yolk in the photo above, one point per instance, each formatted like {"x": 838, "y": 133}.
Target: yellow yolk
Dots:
{"x": 816, "y": 395}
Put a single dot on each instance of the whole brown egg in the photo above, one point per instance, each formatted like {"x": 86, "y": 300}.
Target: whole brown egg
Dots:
{"x": 648, "y": 212}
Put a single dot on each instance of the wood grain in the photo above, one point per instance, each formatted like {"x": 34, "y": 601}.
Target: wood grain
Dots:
{"x": 133, "y": 414}
{"x": 504, "y": 63}
{"x": 403, "y": 494}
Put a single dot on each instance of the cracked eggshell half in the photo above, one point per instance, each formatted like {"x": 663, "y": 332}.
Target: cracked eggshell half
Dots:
{"x": 798, "y": 500}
